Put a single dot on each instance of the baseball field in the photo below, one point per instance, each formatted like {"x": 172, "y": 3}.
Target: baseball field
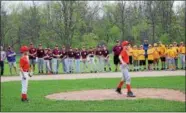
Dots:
{"x": 100, "y": 93}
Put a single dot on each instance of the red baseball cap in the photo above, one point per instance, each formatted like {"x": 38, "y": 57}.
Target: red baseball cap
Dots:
{"x": 23, "y": 49}
{"x": 124, "y": 43}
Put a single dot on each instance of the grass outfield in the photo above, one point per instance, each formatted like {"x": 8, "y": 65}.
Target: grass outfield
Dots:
{"x": 10, "y": 95}
{"x": 7, "y": 73}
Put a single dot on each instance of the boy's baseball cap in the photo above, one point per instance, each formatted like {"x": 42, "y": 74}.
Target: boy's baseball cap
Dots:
{"x": 125, "y": 43}
{"x": 23, "y": 49}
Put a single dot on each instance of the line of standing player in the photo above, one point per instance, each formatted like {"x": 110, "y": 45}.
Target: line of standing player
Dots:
{"x": 73, "y": 60}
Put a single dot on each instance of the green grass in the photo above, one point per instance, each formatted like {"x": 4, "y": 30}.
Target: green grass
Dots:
{"x": 10, "y": 95}
{"x": 7, "y": 73}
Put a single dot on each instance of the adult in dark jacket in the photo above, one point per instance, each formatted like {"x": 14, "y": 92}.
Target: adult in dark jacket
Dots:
{"x": 145, "y": 47}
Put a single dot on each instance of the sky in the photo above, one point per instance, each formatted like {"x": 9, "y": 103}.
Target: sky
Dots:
{"x": 9, "y": 3}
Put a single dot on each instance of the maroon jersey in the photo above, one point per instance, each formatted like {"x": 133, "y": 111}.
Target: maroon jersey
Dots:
{"x": 70, "y": 54}
{"x": 32, "y": 51}
{"x": 91, "y": 53}
{"x": 77, "y": 55}
{"x": 105, "y": 53}
{"x": 56, "y": 52}
{"x": 84, "y": 54}
{"x": 46, "y": 56}
{"x": 117, "y": 49}
{"x": 63, "y": 54}
{"x": 50, "y": 56}
{"x": 99, "y": 53}
{"x": 40, "y": 53}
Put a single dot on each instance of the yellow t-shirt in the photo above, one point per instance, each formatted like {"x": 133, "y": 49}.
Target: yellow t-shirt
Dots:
{"x": 135, "y": 54}
{"x": 162, "y": 50}
{"x": 130, "y": 51}
{"x": 141, "y": 54}
{"x": 176, "y": 50}
{"x": 156, "y": 53}
{"x": 150, "y": 54}
{"x": 171, "y": 53}
{"x": 182, "y": 49}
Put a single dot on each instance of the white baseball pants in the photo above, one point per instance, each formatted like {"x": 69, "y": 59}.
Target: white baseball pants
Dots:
{"x": 24, "y": 82}
{"x": 125, "y": 74}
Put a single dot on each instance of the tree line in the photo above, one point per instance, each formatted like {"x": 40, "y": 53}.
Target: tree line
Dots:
{"x": 77, "y": 23}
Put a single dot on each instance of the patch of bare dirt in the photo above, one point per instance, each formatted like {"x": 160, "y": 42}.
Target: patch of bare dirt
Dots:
{"x": 110, "y": 94}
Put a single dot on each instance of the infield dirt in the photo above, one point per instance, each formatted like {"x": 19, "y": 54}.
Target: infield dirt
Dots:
{"x": 110, "y": 94}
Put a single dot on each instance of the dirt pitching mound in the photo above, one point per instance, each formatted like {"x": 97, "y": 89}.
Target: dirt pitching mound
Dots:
{"x": 110, "y": 94}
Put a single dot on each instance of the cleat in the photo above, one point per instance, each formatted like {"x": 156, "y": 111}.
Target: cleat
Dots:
{"x": 130, "y": 94}
{"x": 118, "y": 90}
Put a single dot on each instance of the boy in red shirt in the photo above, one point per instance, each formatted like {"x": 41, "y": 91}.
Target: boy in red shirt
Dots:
{"x": 25, "y": 71}
{"x": 124, "y": 60}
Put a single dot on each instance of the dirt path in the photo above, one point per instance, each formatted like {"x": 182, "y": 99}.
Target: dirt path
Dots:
{"x": 96, "y": 75}
{"x": 110, "y": 94}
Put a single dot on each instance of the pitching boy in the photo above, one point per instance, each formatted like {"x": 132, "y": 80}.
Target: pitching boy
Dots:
{"x": 124, "y": 60}
{"x": 25, "y": 72}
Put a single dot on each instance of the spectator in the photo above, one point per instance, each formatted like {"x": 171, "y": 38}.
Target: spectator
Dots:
{"x": 156, "y": 56}
{"x": 116, "y": 50}
{"x": 2, "y": 58}
{"x": 46, "y": 61}
{"x": 99, "y": 55}
{"x": 32, "y": 56}
{"x": 175, "y": 48}
{"x": 135, "y": 57}
{"x": 150, "y": 57}
{"x": 50, "y": 58}
{"x": 40, "y": 55}
{"x": 145, "y": 47}
{"x": 77, "y": 57}
{"x": 70, "y": 60}
{"x": 171, "y": 54}
{"x": 182, "y": 54}
{"x": 141, "y": 58}
{"x": 11, "y": 58}
{"x": 64, "y": 59}
{"x": 92, "y": 60}
{"x": 56, "y": 55}
{"x": 84, "y": 54}
{"x": 162, "y": 50}
{"x": 106, "y": 58}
